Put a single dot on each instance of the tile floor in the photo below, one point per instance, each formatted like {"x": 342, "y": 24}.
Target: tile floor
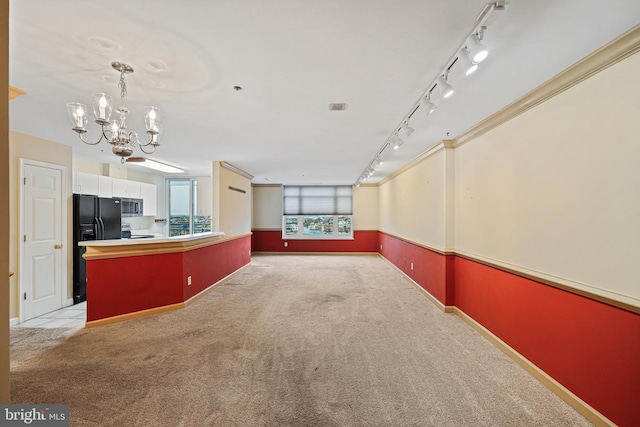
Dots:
{"x": 72, "y": 317}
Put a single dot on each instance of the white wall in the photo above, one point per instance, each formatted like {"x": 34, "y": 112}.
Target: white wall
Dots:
{"x": 365, "y": 208}
{"x": 267, "y": 207}
{"x": 233, "y": 208}
{"x": 556, "y": 190}
{"x": 413, "y": 204}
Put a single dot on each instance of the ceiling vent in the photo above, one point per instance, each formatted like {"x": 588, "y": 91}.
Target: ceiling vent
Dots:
{"x": 337, "y": 107}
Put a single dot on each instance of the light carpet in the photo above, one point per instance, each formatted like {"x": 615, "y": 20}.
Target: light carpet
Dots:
{"x": 292, "y": 340}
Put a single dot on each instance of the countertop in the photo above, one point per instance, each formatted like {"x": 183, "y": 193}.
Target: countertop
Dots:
{"x": 151, "y": 240}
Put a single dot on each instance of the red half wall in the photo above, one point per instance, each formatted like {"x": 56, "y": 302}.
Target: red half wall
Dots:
{"x": 590, "y": 347}
{"x": 117, "y": 286}
{"x": 432, "y": 270}
{"x": 271, "y": 241}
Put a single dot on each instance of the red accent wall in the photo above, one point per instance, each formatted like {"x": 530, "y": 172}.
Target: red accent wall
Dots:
{"x": 117, "y": 286}
{"x": 431, "y": 270}
{"x": 590, "y": 347}
{"x": 271, "y": 241}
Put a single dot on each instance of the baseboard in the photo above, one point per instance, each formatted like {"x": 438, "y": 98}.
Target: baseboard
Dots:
{"x": 574, "y": 401}
{"x": 312, "y": 253}
{"x": 434, "y": 300}
{"x": 14, "y": 321}
{"x": 69, "y": 302}
{"x": 219, "y": 282}
{"x": 134, "y": 315}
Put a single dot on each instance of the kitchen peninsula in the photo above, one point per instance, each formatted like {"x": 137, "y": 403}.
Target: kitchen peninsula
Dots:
{"x": 138, "y": 277}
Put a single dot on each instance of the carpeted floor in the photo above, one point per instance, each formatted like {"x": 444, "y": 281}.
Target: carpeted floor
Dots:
{"x": 290, "y": 341}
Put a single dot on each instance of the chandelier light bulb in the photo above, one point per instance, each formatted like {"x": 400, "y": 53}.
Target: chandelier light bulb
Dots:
{"x": 80, "y": 116}
{"x": 103, "y": 105}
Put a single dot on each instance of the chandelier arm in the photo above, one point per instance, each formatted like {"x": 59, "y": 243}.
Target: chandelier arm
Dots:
{"x": 133, "y": 138}
{"x": 142, "y": 148}
{"x": 150, "y": 142}
{"x": 102, "y": 136}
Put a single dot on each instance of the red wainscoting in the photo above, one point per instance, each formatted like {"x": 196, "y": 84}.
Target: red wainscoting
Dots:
{"x": 431, "y": 270}
{"x": 118, "y": 286}
{"x": 271, "y": 241}
{"x": 590, "y": 347}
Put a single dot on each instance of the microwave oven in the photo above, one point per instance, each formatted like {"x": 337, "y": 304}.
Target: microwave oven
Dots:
{"x": 131, "y": 207}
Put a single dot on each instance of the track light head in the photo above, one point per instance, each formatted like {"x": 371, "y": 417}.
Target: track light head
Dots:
{"x": 446, "y": 89}
{"x": 477, "y": 51}
{"x": 464, "y": 58}
{"x": 429, "y": 107}
{"x": 397, "y": 142}
{"x": 407, "y": 129}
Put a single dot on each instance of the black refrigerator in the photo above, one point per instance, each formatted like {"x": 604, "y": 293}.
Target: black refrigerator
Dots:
{"x": 94, "y": 218}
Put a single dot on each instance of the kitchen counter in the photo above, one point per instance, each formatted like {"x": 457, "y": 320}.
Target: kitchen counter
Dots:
{"x": 151, "y": 240}
{"x": 129, "y": 278}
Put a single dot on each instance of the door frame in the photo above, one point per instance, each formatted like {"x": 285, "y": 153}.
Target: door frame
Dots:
{"x": 64, "y": 286}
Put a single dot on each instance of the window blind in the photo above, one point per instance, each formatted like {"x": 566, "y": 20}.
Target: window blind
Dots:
{"x": 318, "y": 200}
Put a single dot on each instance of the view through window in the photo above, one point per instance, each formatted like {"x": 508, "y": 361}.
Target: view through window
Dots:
{"x": 317, "y": 212}
{"x": 183, "y": 208}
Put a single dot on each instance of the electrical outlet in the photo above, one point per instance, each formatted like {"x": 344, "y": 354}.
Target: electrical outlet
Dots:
{"x": 380, "y": 247}
{"x": 286, "y": 244}
{"x": 412, "y": 266}
{"x": 188, "y": 280}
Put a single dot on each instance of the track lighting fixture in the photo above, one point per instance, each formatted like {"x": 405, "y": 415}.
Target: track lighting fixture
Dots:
{"x": 408, "y": 130}
{"x": 397, "y": 142}
{"x": 467, "y": 57}
{"x": 477, "y": 51}
{"x": 464, "y": 58}
{"x": 445, "y": 88}
{"x": 429, "y": 107}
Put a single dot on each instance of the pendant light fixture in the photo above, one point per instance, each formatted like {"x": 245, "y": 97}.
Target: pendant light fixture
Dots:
{"x": 115, "y": 132}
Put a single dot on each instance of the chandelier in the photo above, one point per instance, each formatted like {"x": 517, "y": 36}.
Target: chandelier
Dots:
{"x": 115, "y": 132}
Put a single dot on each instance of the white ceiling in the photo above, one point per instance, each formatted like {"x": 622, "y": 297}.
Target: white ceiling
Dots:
{"x": 292, "y": 58}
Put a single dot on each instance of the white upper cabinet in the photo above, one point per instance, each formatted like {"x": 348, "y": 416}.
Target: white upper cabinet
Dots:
{"x": 149, "y": 197}
{"x": 133, "y": 189}
{"x": 125, "y": 188}
{"x": 85, "y": 183}
{"x": 105, "y": 186}
{"x": 119, "y": 187}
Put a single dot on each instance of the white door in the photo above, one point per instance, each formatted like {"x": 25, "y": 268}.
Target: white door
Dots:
{"x": 42, "y": 267}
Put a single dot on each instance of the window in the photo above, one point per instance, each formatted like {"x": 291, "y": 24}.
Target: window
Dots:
{"x": 183, "y": 206}
{"x": 317, "y": 212}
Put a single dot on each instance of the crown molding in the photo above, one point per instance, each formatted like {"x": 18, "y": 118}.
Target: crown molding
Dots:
{"x": 427, "y": 153}
{"x": 613, "y": 52}
{"x": 236, "y": 170}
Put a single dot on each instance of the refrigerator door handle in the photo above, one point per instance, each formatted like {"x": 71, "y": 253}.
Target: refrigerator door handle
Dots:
{"x": 101, "y": 228}
{"x": 96, "y": 229}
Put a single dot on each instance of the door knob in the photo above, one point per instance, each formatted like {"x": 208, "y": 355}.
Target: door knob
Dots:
{"x": 57, "y": 247}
